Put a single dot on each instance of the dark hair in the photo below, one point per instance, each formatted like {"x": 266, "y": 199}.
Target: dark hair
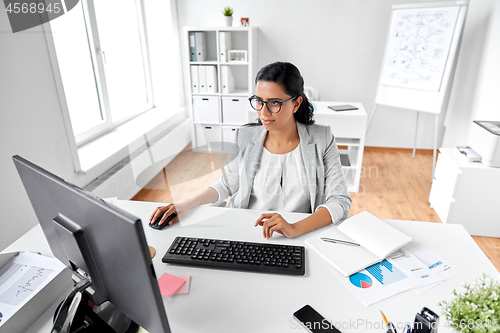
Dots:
{"x": 288, "y": 76}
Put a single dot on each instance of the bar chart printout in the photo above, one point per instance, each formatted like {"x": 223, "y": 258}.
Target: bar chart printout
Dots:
{"x": 385, "y": 273}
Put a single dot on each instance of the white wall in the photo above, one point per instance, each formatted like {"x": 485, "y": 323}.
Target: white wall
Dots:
{"x": 487, "y": 102}
{"x": 338, "y": 46}
{"x": 477, "y": 93}
{"x": 164, "y": 52}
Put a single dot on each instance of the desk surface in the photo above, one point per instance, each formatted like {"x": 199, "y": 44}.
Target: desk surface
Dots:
{"x": 227, "y": 301}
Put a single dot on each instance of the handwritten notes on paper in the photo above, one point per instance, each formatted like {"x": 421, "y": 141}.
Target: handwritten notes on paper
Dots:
{"x": 22, "y": 278}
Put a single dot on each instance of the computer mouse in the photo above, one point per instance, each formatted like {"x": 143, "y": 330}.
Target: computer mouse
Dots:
{"x": 156, "y": 225}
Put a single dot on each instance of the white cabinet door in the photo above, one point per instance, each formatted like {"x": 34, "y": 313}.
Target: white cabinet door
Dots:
{"x": 206, "y": 109}
{"x": 209, "y": 135}
{"x": 234, "y": 110}
{"x": 443, "y": 186}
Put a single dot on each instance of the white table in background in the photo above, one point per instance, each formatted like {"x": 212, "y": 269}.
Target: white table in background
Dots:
{"x": 349, "y": 129}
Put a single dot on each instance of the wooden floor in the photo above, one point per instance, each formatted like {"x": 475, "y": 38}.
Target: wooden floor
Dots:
{"x": 392, "y": 186}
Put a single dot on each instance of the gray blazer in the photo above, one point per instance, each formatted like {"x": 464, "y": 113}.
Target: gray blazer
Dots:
{"x": 321, "y": 158}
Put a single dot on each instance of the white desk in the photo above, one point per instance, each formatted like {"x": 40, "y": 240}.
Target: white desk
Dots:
{"x": 228, "y": 301}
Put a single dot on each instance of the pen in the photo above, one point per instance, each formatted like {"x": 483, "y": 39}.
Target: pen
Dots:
{"x": 407, "y": 329}
{"x": 331, "y": 240}
{"x": 390, "y": 325}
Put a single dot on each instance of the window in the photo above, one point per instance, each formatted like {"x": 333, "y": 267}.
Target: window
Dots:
{"x": 102, "y": 57}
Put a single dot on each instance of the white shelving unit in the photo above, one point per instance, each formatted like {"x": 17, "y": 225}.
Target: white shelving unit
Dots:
{"x": 210, "y": 135}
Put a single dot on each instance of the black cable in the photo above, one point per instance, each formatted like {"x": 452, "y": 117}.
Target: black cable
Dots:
{"x": 79, "y": 287}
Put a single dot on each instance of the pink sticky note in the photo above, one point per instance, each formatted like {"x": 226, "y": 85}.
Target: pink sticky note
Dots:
{"x": 169, "y": 284}
{"x": 185, "y": 287}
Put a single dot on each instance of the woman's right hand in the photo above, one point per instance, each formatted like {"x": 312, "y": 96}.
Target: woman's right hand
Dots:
{"x": 182, "y": 209}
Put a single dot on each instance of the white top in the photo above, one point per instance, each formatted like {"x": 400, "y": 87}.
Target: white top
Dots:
{"x": 280, "y": 183}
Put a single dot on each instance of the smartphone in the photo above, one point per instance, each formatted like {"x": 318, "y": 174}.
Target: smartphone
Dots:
{"x": 314, "y": 322}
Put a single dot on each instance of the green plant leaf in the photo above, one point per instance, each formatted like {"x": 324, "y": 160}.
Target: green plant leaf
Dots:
{"x": 475, "y": 309}
{"x": 227, "y": 11}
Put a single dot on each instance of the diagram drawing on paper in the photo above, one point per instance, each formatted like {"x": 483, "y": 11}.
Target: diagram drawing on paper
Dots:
{"x": 28, "y": 282}
{"x": 418, "y": 47}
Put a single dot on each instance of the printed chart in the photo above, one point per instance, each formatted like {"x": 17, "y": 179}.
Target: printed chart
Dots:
{"x": 428, "y": 259}
{"x": 361, "y": 280}
{"x": 385, "y": 273}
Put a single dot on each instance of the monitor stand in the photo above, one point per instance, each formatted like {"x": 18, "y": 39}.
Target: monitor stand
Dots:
{"x": 77, "y": 313}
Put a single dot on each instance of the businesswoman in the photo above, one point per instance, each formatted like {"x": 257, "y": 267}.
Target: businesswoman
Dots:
{"x": 282, "y": 163}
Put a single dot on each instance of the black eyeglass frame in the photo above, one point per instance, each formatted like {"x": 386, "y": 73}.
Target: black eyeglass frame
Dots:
{"x": 267, "y": 106}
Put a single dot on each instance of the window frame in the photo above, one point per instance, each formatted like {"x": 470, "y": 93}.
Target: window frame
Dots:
{"x": 98, "y": 58}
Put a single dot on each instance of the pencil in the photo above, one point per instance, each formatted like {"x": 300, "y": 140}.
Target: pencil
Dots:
{"x": 384, "y": 318}
{"x": 390, "y": 326}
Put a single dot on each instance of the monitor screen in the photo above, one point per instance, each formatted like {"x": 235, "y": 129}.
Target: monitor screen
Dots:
{"x": 96, "y": 239}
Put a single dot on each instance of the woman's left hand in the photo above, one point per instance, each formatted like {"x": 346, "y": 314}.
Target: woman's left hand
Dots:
{"x": 274, "y": 222}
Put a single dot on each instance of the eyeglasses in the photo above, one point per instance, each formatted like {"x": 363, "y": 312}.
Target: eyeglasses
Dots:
{"x": 272, "y": 105}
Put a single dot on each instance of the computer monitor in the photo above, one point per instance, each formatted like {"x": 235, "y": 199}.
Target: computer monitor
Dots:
{"x": 97, "y": 241}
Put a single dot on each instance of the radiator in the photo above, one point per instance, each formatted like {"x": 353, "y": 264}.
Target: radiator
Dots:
{"x": 131, "y": 174}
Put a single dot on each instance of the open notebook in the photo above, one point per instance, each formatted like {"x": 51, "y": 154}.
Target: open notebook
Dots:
{"x": 377, "y": 240}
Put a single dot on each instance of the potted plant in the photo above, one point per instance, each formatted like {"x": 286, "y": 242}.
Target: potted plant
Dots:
{"x": 476, "y": 309}
{"x": 228, "y": 15}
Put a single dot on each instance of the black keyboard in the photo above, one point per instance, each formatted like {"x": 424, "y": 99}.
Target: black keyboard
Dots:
{"x": 236, "y": 255}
